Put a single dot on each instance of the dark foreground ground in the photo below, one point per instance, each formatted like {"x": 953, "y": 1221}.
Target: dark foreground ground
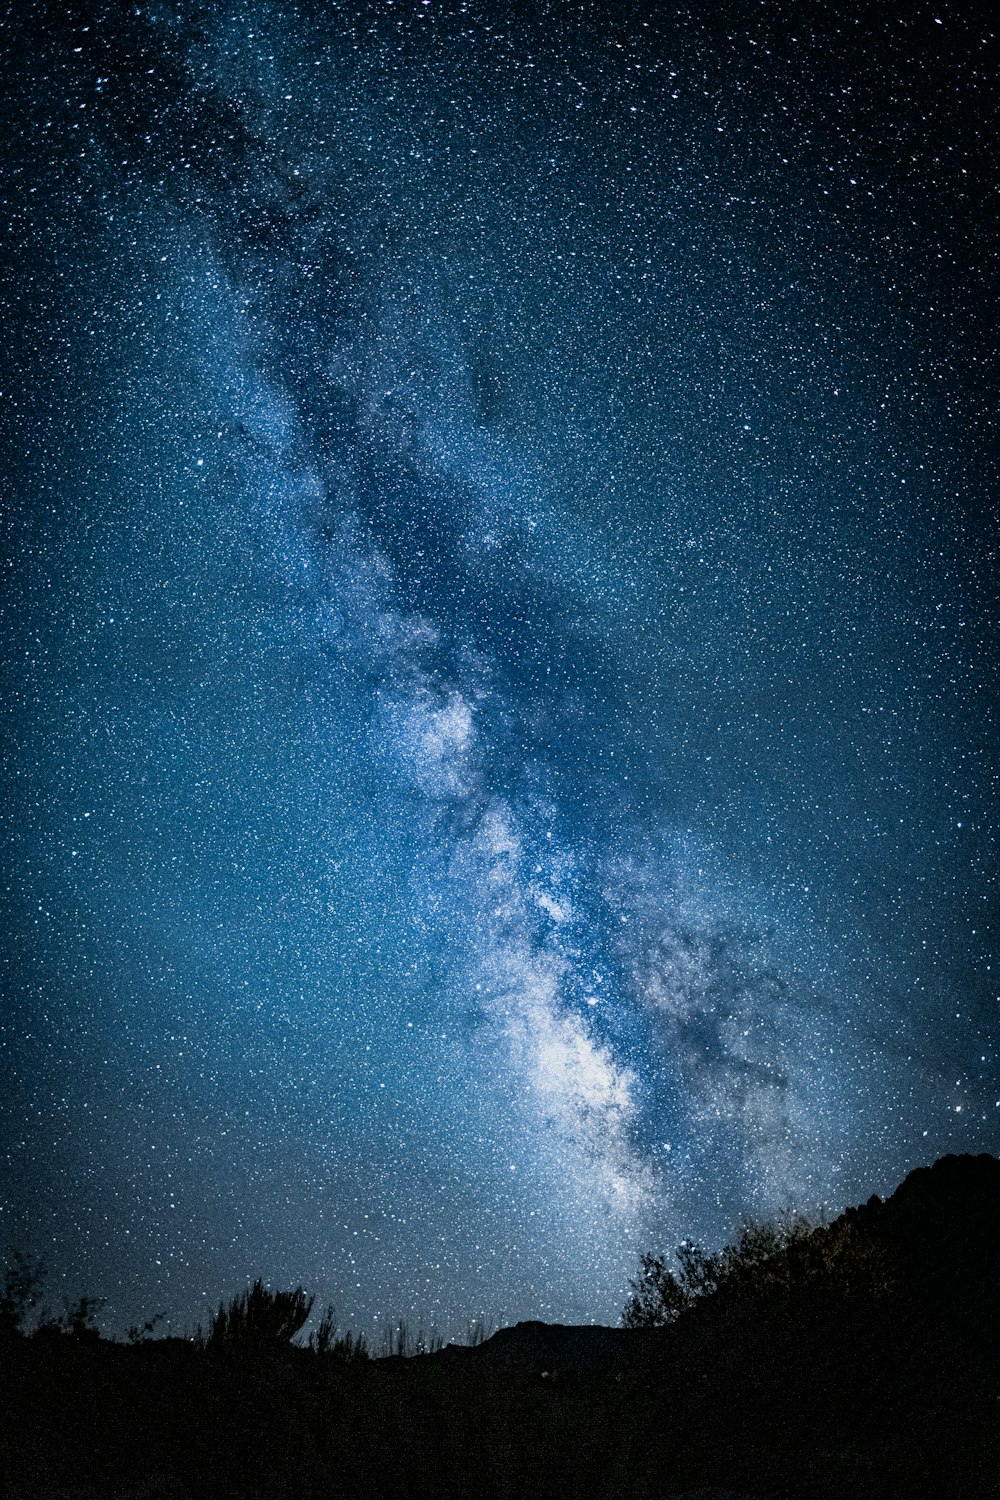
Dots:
{"x": 808, "y": 1395}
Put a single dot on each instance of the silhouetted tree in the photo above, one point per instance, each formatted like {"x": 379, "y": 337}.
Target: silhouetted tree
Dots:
{"x": 658, "y": 1296}
{"x": 766, "y": 1260}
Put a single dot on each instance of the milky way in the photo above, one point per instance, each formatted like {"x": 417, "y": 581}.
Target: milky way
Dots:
{"x": 498, "y": 643}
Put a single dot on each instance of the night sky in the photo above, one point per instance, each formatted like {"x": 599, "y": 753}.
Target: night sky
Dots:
{"x": 498, "y": 638}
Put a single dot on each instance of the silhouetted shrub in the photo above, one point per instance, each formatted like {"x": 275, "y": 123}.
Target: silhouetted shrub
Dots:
{"x": 141, "y": 1334}
{"x": 766, "y": 1261}
{"x": 478, "y": 1330}
{"x": 22, "y": 1279}
{"x": 841, "y": 1258}
{"x": 76, "y": 1322}
{"x": 399, "y": 1341}
{"x": 325, "y": 1340}
{"x": 259, "y": 1317}
{"x": 658, "y": 1295}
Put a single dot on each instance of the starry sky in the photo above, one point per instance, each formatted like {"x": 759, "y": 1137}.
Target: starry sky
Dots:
{"x": 499, "y": 668}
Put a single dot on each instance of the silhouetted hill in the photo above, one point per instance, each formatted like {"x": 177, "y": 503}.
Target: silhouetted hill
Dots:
{"x": 940, "y": 1231}
{"x": 943, "y": 1222}
{"x": 811, "y": 1392}
{"x": 546, "y": 1348}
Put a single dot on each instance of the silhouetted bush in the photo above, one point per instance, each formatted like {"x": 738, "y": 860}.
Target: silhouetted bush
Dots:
{"x": 22, "y": 1279}
{"x": 346, "y": 1347}
{"x": 658, "y": 1295}
{"x": 259, "y": 1317}
{"x": 76, "y": 1322}
{"x": 766, "y": 1261}
{"x": 22, "y": 1282}
{"x": 477, "y": 1331}
{"x": 141, "y": 1334}
{"x": 399, "y": 1341}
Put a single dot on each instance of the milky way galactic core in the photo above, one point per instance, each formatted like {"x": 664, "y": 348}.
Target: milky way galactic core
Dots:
{"x": 499, "y": 665}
